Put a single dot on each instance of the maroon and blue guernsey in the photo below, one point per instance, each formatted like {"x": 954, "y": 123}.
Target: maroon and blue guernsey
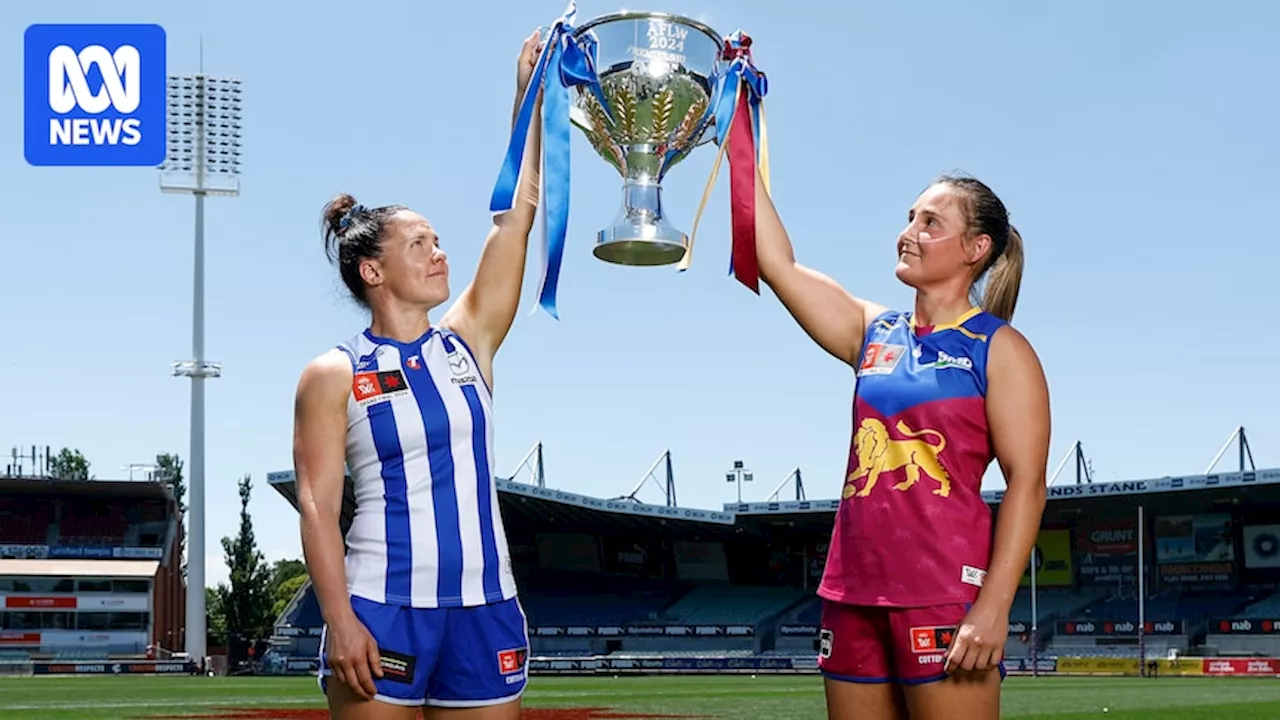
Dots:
{"x": 912, "y": 529}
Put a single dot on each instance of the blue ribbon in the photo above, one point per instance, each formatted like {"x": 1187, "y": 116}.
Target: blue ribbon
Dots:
{"x": 563, "y": 64}
{"x": 727, "y": 90}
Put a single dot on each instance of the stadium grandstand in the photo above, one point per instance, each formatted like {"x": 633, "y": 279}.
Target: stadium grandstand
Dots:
{"x": 617, "y": 585}
{"x": 90, "y": 576}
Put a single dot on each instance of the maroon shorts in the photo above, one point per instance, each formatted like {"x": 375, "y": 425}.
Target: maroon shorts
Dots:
{"x": 880, "y": 645}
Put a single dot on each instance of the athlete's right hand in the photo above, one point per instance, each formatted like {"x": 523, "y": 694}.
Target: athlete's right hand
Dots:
{"x": 352, "y": 654}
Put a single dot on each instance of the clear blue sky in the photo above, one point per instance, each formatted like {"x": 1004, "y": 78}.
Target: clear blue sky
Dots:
{"x": 1135, "y": 144}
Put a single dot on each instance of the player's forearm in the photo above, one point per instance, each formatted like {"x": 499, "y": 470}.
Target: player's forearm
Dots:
{"x": 323, "y": 551}
{"x": 1017, "y": 526}
{"x": 525, "y": 208}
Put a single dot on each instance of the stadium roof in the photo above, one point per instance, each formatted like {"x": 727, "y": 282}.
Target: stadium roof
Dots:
{"x": 145, "y": 489}
{"x": 1228, "y": 485}
{"x": 545, "y": 507}
{"x": 80, "y": 568}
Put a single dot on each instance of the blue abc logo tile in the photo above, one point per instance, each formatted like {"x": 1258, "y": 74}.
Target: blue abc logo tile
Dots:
{"x": 94, "y": 95}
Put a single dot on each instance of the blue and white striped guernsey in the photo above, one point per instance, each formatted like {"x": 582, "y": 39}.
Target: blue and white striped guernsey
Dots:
{"x": 427, "y": 531}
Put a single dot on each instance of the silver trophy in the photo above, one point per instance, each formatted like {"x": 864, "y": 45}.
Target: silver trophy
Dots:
{"x": 657, "y": 73}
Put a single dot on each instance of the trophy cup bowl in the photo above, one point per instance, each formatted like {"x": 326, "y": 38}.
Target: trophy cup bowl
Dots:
{"x": 657, "y": 72}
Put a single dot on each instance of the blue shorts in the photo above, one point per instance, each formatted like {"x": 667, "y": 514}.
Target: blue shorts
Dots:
{"x": 446, "y": 657}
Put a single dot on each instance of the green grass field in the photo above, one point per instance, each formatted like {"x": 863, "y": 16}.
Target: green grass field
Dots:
{"x": 556, "y": 698}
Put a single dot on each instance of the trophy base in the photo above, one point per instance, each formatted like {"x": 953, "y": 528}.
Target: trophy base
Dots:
{"x": 641, "y": 245}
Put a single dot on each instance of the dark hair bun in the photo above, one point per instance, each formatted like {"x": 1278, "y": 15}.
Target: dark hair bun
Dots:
{"x": 334, "y": 211}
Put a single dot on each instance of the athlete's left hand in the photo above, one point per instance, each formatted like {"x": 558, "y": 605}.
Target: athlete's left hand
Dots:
{"x": 528, "y": 60}
{"x": 979, "y": 642}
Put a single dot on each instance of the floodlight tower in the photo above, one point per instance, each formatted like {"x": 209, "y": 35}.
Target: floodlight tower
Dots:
{"x": 202, "y": 159}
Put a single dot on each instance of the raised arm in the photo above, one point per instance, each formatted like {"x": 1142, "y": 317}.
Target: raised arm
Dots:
{"x": 319, "y": 461}
{"x": 486, "y": 308}
{"x": 835, "y": 319}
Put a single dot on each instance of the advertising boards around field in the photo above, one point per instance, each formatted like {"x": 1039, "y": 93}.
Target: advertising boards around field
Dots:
{"x": 1245, "y": 626}
{"x": 1023, "y": 666}
{"x": 1180, "y": 667}
{"x": 1257, "y": 667}
{"x": 1119, "y": 628}
{"x": 1261, "y": 547}
{"x": 661, "y": 665}
{"x": 23, "y": 552}
{"x": 1053, "y": 560}
{"x": 1195, "y": 549}
{"x": 1097, "y": 666}
{"x": 1107, "y": 551}
{"x": 109, "y": 667}
{"x": 19, "y": 639}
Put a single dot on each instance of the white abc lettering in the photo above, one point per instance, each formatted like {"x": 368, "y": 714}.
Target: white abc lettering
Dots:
{"x": 121, "y": 79}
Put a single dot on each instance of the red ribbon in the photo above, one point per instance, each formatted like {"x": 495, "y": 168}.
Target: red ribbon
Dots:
{"x": 742, "y": 193}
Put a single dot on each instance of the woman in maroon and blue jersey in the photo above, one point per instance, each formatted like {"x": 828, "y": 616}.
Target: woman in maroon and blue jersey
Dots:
{"x": 917, "y": 591}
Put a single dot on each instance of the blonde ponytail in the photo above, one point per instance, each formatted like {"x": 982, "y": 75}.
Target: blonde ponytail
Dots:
{"x": 1004, "y": 279}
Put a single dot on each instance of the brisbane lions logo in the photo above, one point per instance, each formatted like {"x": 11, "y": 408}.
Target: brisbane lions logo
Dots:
{"x": 878, "y": 453}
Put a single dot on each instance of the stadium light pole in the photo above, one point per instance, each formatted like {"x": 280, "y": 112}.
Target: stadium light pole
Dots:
{"x": 739, "y": 474}
{"x": 1142, "y": 594}
{"x": 202, "y": 158}
{"x": 1035, "y": 612}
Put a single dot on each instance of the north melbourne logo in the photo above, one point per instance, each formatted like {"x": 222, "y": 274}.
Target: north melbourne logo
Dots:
{"x": 94, "y": 95}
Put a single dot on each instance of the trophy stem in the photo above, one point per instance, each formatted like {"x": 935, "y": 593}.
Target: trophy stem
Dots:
{"x": 640, "y": 234}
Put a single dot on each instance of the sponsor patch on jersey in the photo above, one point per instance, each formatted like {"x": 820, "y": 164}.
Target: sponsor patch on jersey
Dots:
{"x": 880, "y": 359}
{"x": 370, "y": 387}
{"x": 945, "y": 361}
{"x": 931, "y": 639}
{"x": 397, "y": 667}
{"x": 413, "y": 363}
{"x": 460, "y": 366}
{"x": 972, "y": 576}
{"x": 512, "y": 661}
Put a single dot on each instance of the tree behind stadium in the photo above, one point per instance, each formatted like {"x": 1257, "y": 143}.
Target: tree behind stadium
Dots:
{"x": 69, "y": 464}
{"x": 169, "y": 470}
{"x": 246, "y": 602}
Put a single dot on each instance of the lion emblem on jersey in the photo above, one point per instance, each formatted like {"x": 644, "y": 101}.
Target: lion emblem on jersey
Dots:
{"x": 878, "y": 453}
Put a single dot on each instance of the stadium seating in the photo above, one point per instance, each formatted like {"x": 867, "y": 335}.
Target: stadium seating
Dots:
{"x": 725, "y": 604}
{"x": 303, "y": 611}
{"x": 1268, "y": 608}
{"x": 808, "y": 612}
{"x": 558, "y": 598}
{"x": 1052, "y": 603}
{"x": 87, "y": 527}
{"x": 1189, "y": 606}
{"x": 23, "y": 525}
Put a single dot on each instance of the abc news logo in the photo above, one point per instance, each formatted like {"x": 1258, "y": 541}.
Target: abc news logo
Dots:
{"x": 95, "y": 95}
{"x": 69, "y": 89}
